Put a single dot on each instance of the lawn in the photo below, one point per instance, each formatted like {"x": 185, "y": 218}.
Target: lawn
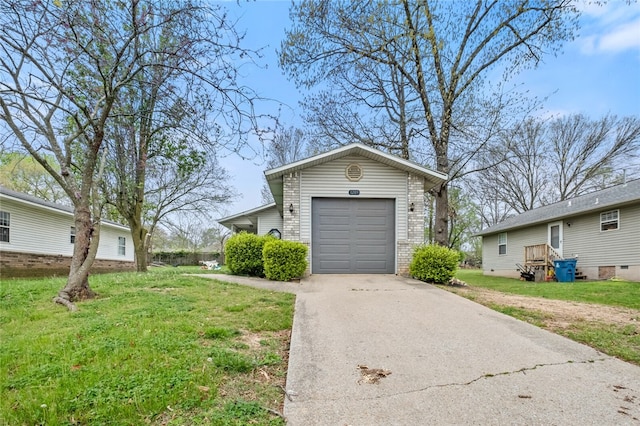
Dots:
{"x": 155, "y": 348}
{"x": 618, "y": 339}
{"x": 613, "y": 293}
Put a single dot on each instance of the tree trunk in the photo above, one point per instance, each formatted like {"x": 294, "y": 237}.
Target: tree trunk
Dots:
{"x": 441, "y": 225}
{"x": 441, "y": 193}
{"x": 84, "y": 253}
{"x": 139, "y": 237}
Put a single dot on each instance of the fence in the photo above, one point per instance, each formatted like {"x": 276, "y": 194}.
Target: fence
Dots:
{"x": 182, "y": 258}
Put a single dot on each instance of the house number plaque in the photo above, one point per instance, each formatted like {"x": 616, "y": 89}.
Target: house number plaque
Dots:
{"x": 354, "y": 192}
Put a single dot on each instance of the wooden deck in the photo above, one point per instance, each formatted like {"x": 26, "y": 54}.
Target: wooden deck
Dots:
{"x": 541, "y": 257}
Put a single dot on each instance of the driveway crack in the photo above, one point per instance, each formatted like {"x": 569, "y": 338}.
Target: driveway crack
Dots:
{"x": 489, "y": 376}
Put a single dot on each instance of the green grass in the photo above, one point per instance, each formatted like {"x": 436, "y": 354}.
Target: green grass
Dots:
{"x": 532, "y": 317}
{"x": 613, "y": 293}
{"x": 619, "y": 341}
{"x": 615, "y": 340}
{"x": 156, "y": 348}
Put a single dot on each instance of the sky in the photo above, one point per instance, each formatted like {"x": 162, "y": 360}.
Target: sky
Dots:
{"x": 598, "y": 73}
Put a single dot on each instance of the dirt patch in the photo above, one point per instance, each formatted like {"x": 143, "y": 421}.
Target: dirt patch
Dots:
{"x": 559, "y": 314}
{"x": 372, "y": 375}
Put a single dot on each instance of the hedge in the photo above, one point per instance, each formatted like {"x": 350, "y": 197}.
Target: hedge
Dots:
{"x": 434, "y": 264}
{"x": 244, "y": 254}
{"x": 284, "y": 260}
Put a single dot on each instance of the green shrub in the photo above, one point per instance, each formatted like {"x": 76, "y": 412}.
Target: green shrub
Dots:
{"x": 284, "y": 260}
{"x": 434, "y": 264}
{"x": 244, "y": 254}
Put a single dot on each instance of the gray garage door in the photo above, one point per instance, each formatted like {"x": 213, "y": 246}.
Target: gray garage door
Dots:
{"x": 353, "y": 236}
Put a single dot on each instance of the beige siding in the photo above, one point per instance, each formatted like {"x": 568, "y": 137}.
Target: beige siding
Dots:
{"x": 582, "y": 238}
{"x": 378, "y": 181}
{"x": 505, "y": 265}
{"x": 329, "y": 180}
{"x": 599, "y": 248}
{"x": 269, "y": 220}
{"x": 42, "y": 230}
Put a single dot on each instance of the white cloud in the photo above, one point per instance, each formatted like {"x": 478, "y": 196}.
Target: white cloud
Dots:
{"x": 610, "y": 28}
{"x": 624, "y": 37}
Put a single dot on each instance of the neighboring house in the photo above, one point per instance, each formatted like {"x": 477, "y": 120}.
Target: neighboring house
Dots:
{"x": 600, "y": 229}
{"x": 36, "y": 238}
{"x": 359, "y": 210}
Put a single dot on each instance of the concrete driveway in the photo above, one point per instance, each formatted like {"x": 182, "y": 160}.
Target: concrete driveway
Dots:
{"x": 439, "y": 359}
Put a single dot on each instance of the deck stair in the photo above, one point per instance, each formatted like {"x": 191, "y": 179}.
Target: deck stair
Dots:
{"x": 540, "y": 257}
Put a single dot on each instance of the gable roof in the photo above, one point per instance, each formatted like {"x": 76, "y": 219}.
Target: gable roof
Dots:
{"x": 47, "y": 205}
{"x": 615, "y": 196}
{"x": 274, "y": 176}
{"x": 246, "y": 220}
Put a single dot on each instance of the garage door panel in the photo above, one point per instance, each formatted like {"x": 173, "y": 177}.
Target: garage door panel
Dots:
{"x": 342, "y": 250}
{"x": 335, "y": 220}
{"x": 353, "y": 235}
{"x": 334, "y": 267}
{"x": 335, "y": 235}
{"x": 373, "y": 267}
{"x": 371, "y": 235}
{"x": 372, "y": 250}
{"x": 369, "y": 222}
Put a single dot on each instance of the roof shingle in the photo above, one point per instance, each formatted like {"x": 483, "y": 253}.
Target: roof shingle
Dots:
{"x": 614, "y": 196}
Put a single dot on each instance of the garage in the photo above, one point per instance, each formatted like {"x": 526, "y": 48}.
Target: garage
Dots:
{"x": 353, "y": 236}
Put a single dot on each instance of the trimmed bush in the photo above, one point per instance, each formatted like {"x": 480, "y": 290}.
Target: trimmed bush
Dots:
{"x": 284, "y": 260}
{"x": 434, "y": 264}
{"x": 244, "y": 254}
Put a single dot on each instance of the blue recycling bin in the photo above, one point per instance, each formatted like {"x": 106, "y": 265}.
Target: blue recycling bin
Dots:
{"x": 565, "y": 270}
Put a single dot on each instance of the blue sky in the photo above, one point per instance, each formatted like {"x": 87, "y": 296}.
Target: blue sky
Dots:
{"x": 598, "y": 73}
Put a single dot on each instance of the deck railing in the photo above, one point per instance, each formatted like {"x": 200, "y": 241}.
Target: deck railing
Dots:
{"x": 540, "y": 254}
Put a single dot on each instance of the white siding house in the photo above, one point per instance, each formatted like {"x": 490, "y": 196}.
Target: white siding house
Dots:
{"x": 359, "y": 210}
{"x": 36, "y": 234}
{"x": 601, "y": 230}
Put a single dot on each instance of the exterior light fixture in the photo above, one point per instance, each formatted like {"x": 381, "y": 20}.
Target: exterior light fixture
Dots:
{"x": 412, "y": 207}
{"x": 291, "y": 208}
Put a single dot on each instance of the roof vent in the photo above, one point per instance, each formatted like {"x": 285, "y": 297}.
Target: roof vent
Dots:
{"x": 353, "y": 172}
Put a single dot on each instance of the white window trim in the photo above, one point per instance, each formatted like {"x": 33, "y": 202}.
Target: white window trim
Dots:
{"x": 502, "y": 244}
{"x": 122, "y": 248}
{"x": 8, "y": 225}
{"x": 616, "y": 220}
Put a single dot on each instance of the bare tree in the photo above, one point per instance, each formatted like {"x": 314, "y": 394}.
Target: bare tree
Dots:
{"x": 450, "y": 46}
{"x": 552, "y": 160}
{"x": 179, "y": 104}
{"x": 63, "y": 65}
{"x": 288, "y": 145}
{"x": 367, "y": 103}
{"x": 196, "y": 188}
{"x": 586, "y": 155}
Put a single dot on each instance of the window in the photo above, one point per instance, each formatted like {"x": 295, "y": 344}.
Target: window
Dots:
{"x": 502, "y": 243}
{"x": 122, "y": 246}
{"x": 72, "y": 235}
{"x": 5, "y": 221}
{"x": 609, "y": 220}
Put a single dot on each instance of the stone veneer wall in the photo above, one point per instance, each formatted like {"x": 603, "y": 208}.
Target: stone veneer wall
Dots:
{"x": 291, "y": 221}
{"x": 291, "y": 195}
{"x": 415, "y": 223}
{"x": 14, "y": 264}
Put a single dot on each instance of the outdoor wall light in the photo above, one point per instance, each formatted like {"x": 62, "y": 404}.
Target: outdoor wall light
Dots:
{"x": 412, "y": 207}
{"x": 291, "y": 208}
